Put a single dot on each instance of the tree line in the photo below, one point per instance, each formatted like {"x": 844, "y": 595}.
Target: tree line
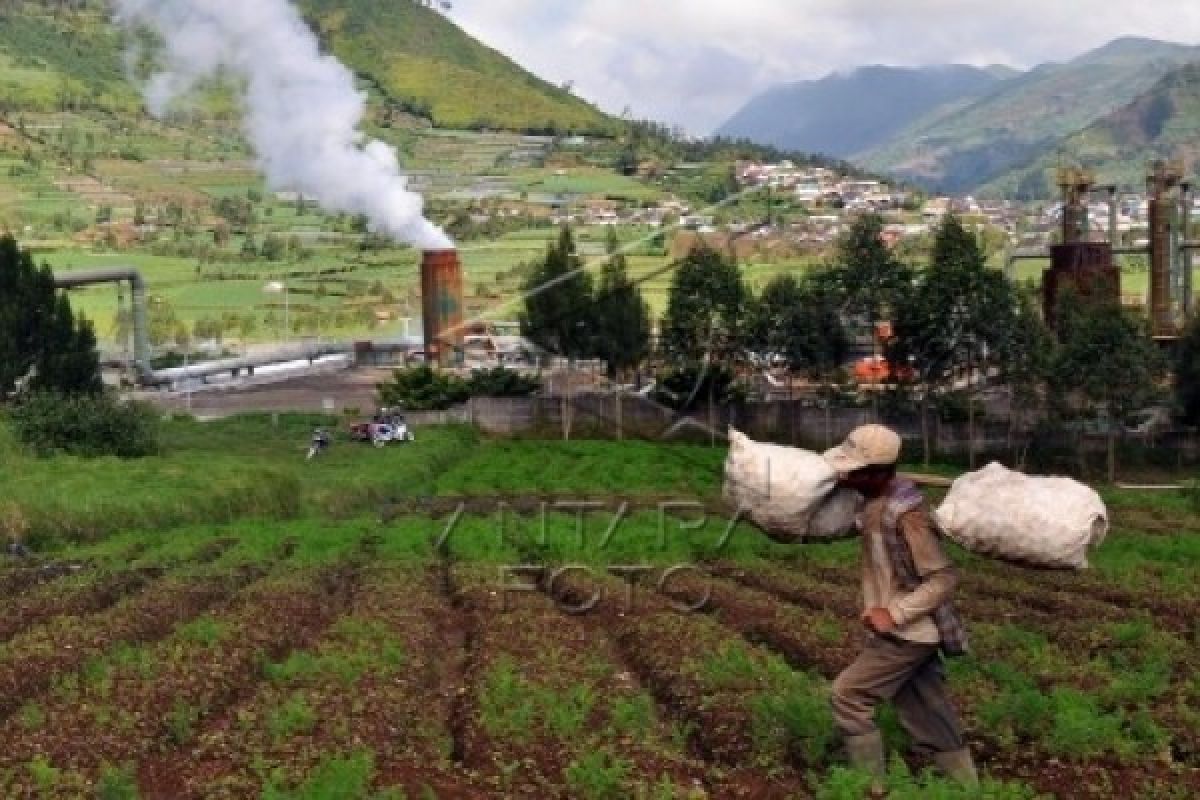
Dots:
{"x": 943, "y": 330}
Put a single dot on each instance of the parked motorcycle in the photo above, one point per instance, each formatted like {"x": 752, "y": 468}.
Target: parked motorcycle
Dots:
{"x": 385, "y": 427}
{"x": 320, "y": 443}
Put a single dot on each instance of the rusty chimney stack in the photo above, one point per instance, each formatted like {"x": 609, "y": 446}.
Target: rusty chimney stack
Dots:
{"x": 1078, "y": 264}
{"x": 442, "y": 303}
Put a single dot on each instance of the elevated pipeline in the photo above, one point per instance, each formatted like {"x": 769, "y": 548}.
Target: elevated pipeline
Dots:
{"x": 141, "y": 332}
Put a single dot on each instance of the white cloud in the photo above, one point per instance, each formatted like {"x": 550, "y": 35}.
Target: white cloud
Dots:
{"x": 694, "y": 62}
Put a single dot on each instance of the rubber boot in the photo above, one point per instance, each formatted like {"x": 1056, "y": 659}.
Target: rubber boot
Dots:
{"x": 959, "y": 766}
{"x": 865, "y": 753}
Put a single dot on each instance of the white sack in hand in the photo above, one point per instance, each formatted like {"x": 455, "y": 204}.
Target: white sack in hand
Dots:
{"x": 779, "y": 489}
{"x": 1045, "y": 522}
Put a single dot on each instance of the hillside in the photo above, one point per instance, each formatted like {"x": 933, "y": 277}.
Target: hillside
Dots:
{"x": 421, "y": 59}
{"x": 57, "y": 54}
{"x": 1160, "y": 123}
{"x": 1026, "y": 117}
{"x": 844, "y": 114}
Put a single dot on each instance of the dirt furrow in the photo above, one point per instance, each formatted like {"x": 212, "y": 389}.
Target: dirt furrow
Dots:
{"x": 373, "y": 683}
{"x": 32, "y": 662}
{"x": 153, "y": 700}
{"x": 796, "y": 586}
{"x": 551, "y": 712}
{"x": 713, "y": 687}
{"x": 85, "y": 594}
{"x": 809, "y": 638}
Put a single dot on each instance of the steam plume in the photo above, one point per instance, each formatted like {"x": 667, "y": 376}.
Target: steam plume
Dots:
{"x": 302, "y": 109}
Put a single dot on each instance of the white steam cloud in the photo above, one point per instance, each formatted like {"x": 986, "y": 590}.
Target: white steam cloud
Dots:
{"x": 302, "y": 110}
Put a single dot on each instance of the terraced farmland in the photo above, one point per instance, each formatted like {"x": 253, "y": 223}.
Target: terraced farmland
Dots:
{"x": 451, "y": 620}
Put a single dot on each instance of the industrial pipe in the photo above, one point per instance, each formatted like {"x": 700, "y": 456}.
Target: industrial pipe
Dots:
{"x": 1185, "y": 253}
{"x": 1113, "y": 235}
{"x": 141, "y": 334}
{"x": 1023, "y": 255}
{"x": 280, "y": 355}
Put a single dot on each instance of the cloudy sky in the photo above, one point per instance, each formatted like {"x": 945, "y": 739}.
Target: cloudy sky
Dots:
{"x": 694, "y": 62}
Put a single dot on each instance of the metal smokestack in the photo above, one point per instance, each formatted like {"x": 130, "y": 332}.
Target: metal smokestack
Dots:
{"x": 441, "y": 305}
{"x": 1162, "y": 178}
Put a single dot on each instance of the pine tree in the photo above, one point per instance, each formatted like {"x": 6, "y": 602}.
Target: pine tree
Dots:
{"x": 798, "y": 320}
{"x": 705, "y": 309}
{"x": 870, "y": 278}
{"x": 957, "y": 319}
{"x": 559, "y": 302}
{"x": 40, "y": 338}
{"x": 622, "y": 318}
{"x": 1107, "y": 361}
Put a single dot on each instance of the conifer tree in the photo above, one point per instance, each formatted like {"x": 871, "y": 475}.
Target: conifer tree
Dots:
{"x": 43, "y": 346}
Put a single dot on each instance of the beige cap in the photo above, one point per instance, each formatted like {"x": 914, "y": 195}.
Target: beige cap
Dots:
{"x": 870, "y": 445}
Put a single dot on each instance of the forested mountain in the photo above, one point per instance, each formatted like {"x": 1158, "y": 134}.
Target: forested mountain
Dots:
{"x": 1114, "y": 107}
{"x": 844, "y": 114}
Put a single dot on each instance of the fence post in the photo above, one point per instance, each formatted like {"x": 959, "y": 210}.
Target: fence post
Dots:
{"x": 566, "y": 406}
{"x": 620, "y": 421}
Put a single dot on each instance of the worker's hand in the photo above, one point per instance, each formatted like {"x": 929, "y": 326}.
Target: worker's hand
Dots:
{"x": 878, "y": 620}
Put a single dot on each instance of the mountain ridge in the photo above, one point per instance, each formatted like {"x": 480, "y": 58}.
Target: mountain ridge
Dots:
{"x": 858, "y": 108}
{"x": 1160, "y": 123}
{"x": 1025, "y": 118}
{"x": 978, "y": 142}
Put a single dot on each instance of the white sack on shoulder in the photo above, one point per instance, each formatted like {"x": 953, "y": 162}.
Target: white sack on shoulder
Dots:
{"x": 1041, "y": 521}
{"x": 778, "y": 488}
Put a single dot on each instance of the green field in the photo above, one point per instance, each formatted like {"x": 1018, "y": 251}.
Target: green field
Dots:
{"x": 390, "y": 578}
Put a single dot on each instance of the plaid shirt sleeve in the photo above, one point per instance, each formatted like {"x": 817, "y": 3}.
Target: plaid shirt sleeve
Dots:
{"x": 924, "y": 571}
{"x": 924, "y": 543}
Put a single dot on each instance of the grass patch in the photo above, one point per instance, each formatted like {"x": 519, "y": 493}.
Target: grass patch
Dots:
{"x": 598, "y": 775}
{"x": 206, "y": 630}
{"x": 245, "y": 467}
{"x": 790, "y": 709}
{"x": 342, "y": 777}
{"x": 848, "y": 784}
{"x": 294, "y": 717}
{"x": 355, "y": 648}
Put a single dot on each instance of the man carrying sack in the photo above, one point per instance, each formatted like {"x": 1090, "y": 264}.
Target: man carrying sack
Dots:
{"x": 907, "y": 585}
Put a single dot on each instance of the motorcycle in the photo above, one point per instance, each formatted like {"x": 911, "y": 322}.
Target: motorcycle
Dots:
{"x": 382, "y": 430}
{"x": 320, "y": 442}
{"x": 393, "y": 430}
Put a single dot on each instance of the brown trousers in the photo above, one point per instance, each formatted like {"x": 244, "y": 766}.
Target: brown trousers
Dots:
{"x": 910, "y": 675}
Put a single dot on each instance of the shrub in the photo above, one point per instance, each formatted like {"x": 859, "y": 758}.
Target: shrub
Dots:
{"x": 501, "y": 382}
{"x": 689, "y": 388}
{"x": 423, "y": 389}
{"x": 86, "y": 425}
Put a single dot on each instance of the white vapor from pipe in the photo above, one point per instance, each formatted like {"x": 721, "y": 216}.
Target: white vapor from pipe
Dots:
{"x": 302, "y": 109}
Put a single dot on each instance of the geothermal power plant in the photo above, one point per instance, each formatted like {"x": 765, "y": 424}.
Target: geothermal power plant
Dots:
{"x": 1088, "y": 269}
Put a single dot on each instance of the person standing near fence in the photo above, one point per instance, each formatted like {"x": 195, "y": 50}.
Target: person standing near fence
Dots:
{"x": 911, "y": 623}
